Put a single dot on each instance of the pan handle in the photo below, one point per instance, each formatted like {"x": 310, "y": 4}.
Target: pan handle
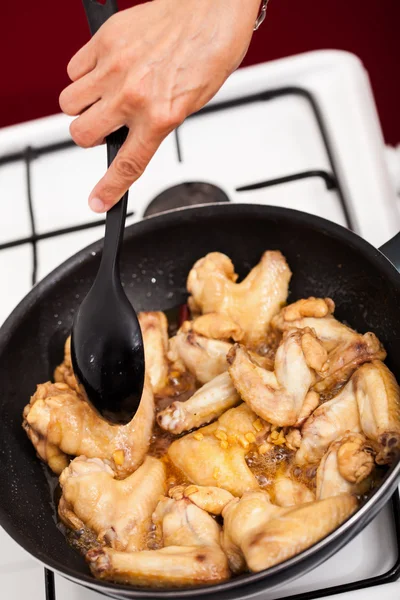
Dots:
{"x": 391, "y": 250}
{"x": 97, "y": 12}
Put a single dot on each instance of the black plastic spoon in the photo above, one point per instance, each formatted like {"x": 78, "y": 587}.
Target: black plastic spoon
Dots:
{"x": 106, "y": 342}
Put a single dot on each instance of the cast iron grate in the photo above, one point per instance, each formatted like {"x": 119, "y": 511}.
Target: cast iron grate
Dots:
{"x": 331, "y": 181}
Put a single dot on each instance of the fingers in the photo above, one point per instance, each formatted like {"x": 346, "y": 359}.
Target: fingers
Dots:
{"x": 92, "y": 126}
{"x": 79, "y": 95}
{"x": 128, "y": 165}
{"x": 83, "y": 62}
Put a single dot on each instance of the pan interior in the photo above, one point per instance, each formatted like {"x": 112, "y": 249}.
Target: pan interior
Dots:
{"x": 157, "y": 256}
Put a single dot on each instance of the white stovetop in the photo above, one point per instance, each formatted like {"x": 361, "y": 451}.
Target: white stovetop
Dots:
{"x": 243, "y": 145}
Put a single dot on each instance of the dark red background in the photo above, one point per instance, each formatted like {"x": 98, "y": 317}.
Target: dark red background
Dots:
{"x": 38, "y": 38}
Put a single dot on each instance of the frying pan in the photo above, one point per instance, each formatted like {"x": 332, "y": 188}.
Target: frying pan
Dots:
{"x": 158, "y": 252}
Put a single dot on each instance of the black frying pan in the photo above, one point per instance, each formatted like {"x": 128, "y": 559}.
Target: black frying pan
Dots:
{"x": 326, "y": 260}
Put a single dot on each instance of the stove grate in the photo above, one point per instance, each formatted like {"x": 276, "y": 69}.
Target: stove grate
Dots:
{"x": 331, "y": 181}
{"x": 328, "y": 179}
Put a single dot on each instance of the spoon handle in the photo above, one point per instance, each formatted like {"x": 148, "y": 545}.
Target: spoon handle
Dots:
{"x": 97, "y": 12}
{"x": 115, "y": 219}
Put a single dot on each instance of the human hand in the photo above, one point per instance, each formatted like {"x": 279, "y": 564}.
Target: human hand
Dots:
{"x": 148, "y": 68}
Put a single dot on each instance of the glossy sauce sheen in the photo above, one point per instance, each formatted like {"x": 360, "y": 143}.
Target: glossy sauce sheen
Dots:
{"x": 265, "y": 467}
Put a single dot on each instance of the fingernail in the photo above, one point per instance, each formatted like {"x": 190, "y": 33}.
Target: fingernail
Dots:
{"x": 97, "y": 205}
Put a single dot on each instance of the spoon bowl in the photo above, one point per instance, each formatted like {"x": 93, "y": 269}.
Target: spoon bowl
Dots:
{"x": 107, "y": 351}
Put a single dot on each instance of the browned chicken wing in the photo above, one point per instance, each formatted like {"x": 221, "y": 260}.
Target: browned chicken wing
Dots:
{"x": 369, "y": 402}
{"x": 217, "y": 326}
{"x": 346, "y": 348}
{"x": 242, "y": 517}
{"x": 170, "y": 566}
{"x": 378, "y": 398}
{"x": 251, "y": 303}
{"x": 267, "y": 535}
{"x": 345, "y": 467}
{"x": 183, "y": 523}
{"x": 280, "y": 397}
{"x": 154, "y": 326}
{"x": 208, "y": 403}
{"x": 306, "y": 307}
{"x": 287, "y": 491}
{"x": 328, "y": 422}
{"x": 119, "y": 512}
{"x": 191, "y": 555}
{"x": 205, "y": 358}
{"x": 58, "y": 420}
{"x": 355, "y": 457}
{"x": 215, "y": 455}
{"x": 210, "y": 498}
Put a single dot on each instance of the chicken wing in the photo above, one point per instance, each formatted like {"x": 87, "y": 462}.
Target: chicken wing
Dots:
{"x": 119, "y": 512}
{"x": 171, "y": 566}
{"x": 218, "y": 327}
{"x": 252, "y": 303}
{"x": 64, "y": 372}
{"x": 290, "y": 492}
{"x": 47, "y": 452}
{"x": 306, "y": 307}
{"x": 316, "y": 313}
{"x": 346, "y": 348}
{"x": 185, "y": 524}
{"x": 57, "y": 418}
{"x": 154, "y": 326}
{"x": 242, "y": 518}
{"x": 328, "y": 422}
{"x": 378, "y": 398}
{"x": 191, "y": 555}
{"x": 279, "y": 397}
{"x": 268, "y": 539}
{"x": 209, "y": 498}
{"x": 167, "y": 377}
{"x": 355, "y": 457}
{"x": 205, "y": 358}
{"x": 215, "y": 455}
{"x": 208, "y": 403}
{"x": 351, "y": 456}
{"x": 346, "y": 358}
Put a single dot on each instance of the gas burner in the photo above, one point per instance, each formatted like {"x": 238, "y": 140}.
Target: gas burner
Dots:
{"x": 189, "y": 193}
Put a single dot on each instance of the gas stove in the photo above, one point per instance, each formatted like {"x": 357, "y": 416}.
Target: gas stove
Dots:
{"x": 300, "y": 132}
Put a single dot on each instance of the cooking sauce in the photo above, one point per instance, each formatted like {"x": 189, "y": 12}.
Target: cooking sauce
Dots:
{"x": 279, "y": 461}
{"x": 265, "y": 467}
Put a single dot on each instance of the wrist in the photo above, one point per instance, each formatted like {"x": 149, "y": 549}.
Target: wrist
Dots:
{"x": 252, "y": 12}
{"x": 244, "y": 12}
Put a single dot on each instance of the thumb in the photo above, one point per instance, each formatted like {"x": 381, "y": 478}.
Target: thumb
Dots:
{"x": 130, "y": 162}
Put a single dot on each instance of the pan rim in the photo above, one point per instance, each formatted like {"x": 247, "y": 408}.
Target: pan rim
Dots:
{"x": 352, "y": 525}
